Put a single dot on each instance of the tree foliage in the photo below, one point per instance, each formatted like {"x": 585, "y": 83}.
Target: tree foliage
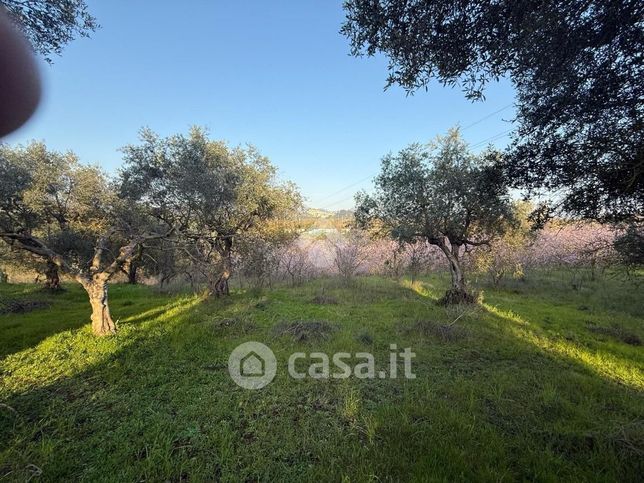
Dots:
{"x": 443, "y": 194}
{"x": 51, "y": 24}
{"x": 509, "y": 254}
{"x": 52, "y": 196}
{"x": 212, "y": 193}
{"x": 577, "y": 67}
{"x": 69, "y": 216}
{"x": 630, "y": 246}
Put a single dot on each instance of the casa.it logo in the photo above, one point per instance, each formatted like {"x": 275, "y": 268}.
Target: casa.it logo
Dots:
{"x": 252, "y": 365}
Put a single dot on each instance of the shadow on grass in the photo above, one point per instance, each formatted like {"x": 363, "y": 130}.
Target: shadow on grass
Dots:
{"x": 603, "y": 363}
{"x": 156, "y": 403}
{"x": 612, "y": 367}
{"x": 69, "y": 310}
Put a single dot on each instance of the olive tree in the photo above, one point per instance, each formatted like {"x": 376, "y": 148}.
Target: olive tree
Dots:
{"x": 70, "y": 216}
{"x": 213, "y": 194}
{"x": 576, "y": 65}
{"x": 51, "y": 24}
{"x": 443, "y": 194}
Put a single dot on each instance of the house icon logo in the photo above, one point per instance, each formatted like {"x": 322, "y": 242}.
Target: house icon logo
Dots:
{"x": 252, "y": 365}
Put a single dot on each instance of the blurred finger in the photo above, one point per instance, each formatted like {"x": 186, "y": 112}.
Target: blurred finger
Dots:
{"x": 19, "y": 78}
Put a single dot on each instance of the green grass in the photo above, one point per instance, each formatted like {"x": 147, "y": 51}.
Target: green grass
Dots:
{"x": 523, "y": 390}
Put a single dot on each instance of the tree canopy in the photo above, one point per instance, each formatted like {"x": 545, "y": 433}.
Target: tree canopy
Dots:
{"x": 441, "y": 194}
{"x": 51, "y": 24}
{"x": 178, "y": 200}
{"x": 577, "y": 67}
{"x": 212, "y": 193}
{"x": 70, "y": 216}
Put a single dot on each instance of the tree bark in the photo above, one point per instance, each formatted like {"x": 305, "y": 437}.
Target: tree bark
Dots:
{"x": 95, "y": 279}
{"x": 102, "y": 323}
{"x": 52, "y": 281}
{"x": 131, "y": 267}
{"x": 221, "y": 285}
{"x": 458, "y": 293}
{"x": 131, "y": 273}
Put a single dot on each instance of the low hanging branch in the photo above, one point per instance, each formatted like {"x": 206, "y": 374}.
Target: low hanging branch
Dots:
{"x": 96, "y": 277}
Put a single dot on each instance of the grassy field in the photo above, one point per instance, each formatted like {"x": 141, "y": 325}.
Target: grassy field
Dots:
{"x": 541, "y": 382}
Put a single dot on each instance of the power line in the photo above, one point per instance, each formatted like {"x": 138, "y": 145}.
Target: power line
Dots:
{"x": 345, "y": 188}
{"x": 484, "y": 141}
{"x": 486, "y": 117}
{"x": 336, "y": 202}
{"x": 491, "y": 138}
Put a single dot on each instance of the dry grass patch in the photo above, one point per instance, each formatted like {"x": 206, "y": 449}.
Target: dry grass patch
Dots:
{"x": 616, "y": 332}
{"x": 323, "y": 299}
{"x": 436, "y": 330}
{"x": 12, "y": 306}
{"x": 305, "y": 330}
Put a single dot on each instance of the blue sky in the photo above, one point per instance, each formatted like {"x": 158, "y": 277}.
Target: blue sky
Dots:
{"x": 273, "y": 74}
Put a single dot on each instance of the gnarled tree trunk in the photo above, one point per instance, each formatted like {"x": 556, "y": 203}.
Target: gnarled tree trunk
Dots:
{"x": 102, "y": 323}
{"x": 458, "y": 293}
{"x": 95, "y": 279}
{"x": 131, "y": 273}
{"x": 52, "y": 281}
{"x": 220, "y": 287}
{"x": 131, "y": 267}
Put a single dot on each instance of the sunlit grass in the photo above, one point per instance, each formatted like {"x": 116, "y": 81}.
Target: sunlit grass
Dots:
{"x": 69, "y": 353}
{"x": 606, "y": 365}
{"x": 422, "y": 288}
{"x": 525, "y": 392}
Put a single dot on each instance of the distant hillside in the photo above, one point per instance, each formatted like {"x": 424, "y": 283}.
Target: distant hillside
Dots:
{"x": 320, "y": 213}
{"x": 324, "y": 219}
